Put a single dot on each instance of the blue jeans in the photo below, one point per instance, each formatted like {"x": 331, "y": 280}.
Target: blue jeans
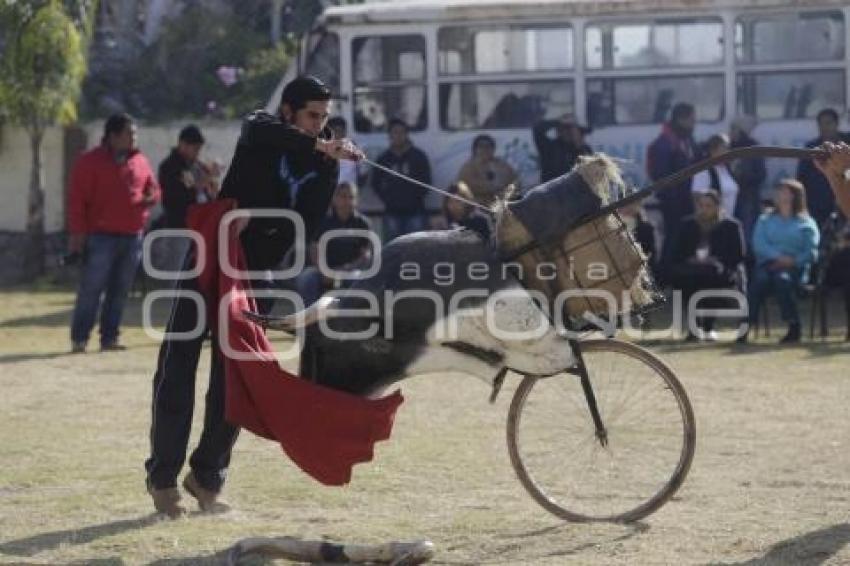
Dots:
{"x": 396, "y": 225}
{"x": 111, "y": 262}
{"x": 310, "y": 285}
{"x": 783, "y": 284}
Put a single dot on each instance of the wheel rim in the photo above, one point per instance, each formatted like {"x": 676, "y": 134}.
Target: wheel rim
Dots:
{"x": 649, "y": 421}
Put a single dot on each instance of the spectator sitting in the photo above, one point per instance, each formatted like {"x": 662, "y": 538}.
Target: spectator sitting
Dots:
{"x": 404, "y": 202}
{"x": 719, "y": 177}
{"x": 458, "y": 214}
{"x": 486, "y": 175}
{"x": 343, "y": 253}
{"x": 559, "y": 153}
{"x": 642, "y": 231}
{"x": 819, "y": 195}
{"x": 181, "y": 187}
{"x": 748, "y": 173}
{"x": 707, "y": 254}
{"x": 785, "y": 244}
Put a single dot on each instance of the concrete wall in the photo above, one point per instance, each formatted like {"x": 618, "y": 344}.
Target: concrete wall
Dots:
{"x": 15, "y": 165}
{"x": 15, "y": 158}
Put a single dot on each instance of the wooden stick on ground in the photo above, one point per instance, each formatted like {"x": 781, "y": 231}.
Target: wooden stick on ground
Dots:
{"x": 393, "y": 553}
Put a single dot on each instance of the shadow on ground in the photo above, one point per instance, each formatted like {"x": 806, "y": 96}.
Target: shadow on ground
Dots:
{"x": 217, "y": 559}
{"x": 506, "y": 552}
{"x": 26, "y": 357}
{"x": 62, "y": 317}
{"x": 810, "y": 549}
{"x": 30, "y": 546}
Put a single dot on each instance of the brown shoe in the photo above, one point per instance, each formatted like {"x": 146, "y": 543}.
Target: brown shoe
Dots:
{"x": 167, "y": 501}
{"x": 208, "y": 500}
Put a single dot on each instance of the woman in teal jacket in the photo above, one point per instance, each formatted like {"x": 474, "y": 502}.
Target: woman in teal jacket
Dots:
{"x": 785, "y": 244}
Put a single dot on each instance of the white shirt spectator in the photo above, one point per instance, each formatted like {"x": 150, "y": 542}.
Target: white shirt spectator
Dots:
{"x": 347, "y": 172}
{"x": 728, "y": 187}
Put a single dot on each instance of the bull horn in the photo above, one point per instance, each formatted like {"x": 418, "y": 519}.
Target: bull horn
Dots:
{"x": 319, "y": 310}
{"x": 267, "y": 321}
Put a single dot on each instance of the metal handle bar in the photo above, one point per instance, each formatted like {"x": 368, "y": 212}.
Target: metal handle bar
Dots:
{"x": 675, "y": 179}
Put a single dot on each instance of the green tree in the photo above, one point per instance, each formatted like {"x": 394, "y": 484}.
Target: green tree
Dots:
{"x": 43, "y": 65}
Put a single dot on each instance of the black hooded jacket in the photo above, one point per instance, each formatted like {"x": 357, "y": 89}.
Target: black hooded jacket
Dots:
{"x": 276, "y": 166}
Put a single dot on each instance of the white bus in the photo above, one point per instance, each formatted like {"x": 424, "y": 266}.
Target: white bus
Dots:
{"x": 453, "y": 69}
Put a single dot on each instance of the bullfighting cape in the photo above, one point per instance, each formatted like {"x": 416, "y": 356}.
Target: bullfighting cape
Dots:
{"x": 324, "y": 431}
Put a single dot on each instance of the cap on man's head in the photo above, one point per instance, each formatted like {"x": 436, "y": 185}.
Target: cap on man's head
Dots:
{"x": 191, "y": 134}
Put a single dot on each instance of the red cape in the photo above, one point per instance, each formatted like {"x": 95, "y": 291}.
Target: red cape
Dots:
{"x": 324, "y": 431}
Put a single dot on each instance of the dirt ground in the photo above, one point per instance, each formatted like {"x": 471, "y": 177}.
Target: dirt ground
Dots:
{"x": 770, "y": 483}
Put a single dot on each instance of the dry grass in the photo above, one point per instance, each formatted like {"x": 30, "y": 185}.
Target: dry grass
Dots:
{"x": 769, "y": 485}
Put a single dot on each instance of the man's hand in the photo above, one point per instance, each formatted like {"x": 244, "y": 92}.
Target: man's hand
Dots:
{"x": 339, "y": 149}
{"x": 838, "y": 161}
{"x": 835, "y": 169}
{"x": 148, "y": 196}
{"x": 76, "y": 243}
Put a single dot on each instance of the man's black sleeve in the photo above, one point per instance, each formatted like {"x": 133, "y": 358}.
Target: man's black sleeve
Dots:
{"x": 426, "y": 168}
{"x": 264, "y": 130}
{"x": 734, "y": 248}
{"x": 314, "y": 207}
{"x": 379, "y": 179}
{"x": 540, "y": 133}
{"x": 420, "y": 170}
{"x": 176, "y": 197}
{"x": 685, "y": 244}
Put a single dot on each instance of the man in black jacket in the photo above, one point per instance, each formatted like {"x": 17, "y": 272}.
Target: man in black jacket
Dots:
{"x": 559, "y": 153}
{"x": 404, "y": 202}
{"x": 284, "y": 161}
{"x": 179, "y": 186}
{"x": 819, "y": 196}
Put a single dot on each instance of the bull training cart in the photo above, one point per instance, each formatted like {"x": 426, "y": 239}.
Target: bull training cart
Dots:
{"x": 634, "y": 452}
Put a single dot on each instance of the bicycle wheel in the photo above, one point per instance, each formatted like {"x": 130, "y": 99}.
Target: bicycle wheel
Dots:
{"x": 559, "y": 458}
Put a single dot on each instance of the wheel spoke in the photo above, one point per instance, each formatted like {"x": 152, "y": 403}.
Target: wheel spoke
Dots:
{"x": 558, "y": 457}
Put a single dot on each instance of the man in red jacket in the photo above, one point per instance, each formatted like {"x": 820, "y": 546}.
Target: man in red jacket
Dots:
{"x": 112, "y": 191}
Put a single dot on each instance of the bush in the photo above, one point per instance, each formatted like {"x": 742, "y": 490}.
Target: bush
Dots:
{"x": 176, "y": 77}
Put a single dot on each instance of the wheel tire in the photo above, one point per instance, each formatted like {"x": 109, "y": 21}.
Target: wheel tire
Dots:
{"x": 660, "y": 497}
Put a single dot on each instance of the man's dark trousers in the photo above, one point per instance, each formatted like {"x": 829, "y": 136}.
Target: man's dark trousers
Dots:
{"x": 174, "y": 399}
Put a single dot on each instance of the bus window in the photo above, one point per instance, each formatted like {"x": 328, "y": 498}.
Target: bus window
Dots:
{"x": 647, "y": 100}
{"x": 465, "y": 50}
{"x": 789, "y": 95}
{"x": 389, "y": 81}
{"x": 323, "y": 61}
{"x": 654, "y": 44}
{"x": 465, "y": 106}
{"x": 806, "y": 36}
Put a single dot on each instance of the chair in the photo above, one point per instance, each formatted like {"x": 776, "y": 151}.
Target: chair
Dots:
{"x": 818, "y": 294}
